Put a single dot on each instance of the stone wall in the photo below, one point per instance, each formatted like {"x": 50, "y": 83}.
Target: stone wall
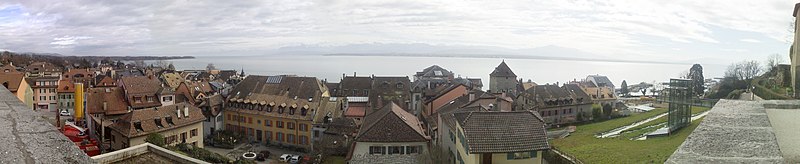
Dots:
{"x": 29, "y": 138}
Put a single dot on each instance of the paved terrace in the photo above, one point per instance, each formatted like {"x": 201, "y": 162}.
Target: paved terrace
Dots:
{"x": 737, "y": 131}
{"x": 27, "y": 137}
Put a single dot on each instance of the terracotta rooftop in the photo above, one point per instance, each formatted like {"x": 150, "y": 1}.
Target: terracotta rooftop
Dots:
{"x": 14, "y": 79}
{"x": 148, "y": 120}
{"x": 113, "y": 98}
{"x": 137, "y": 86}
{"x": 392, "y": 124}
{"x": 502, "y": 132}
{"x": 65, "y": 86}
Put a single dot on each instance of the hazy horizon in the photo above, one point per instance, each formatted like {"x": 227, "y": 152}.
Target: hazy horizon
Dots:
{"x": 706, "y": 32}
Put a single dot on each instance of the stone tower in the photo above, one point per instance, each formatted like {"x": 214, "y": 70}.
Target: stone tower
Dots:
{"x": 502, "y": 79}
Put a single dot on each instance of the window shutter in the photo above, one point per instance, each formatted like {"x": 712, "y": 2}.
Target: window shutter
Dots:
{"x": 510, "y": 156}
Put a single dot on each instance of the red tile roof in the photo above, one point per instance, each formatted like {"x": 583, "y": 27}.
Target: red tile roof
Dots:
{"x": 355, "y": 111}
{"x": 113, "y": 98}
{"x": 392, "y": 124}
{"x": 14, "y": 79}
{"x": 126, "y": 125}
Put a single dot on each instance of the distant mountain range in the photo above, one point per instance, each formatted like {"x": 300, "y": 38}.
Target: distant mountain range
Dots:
{"x": 550, "y": 52}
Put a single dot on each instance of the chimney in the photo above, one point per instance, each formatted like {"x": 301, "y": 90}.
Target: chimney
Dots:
{"x": 354, "y": 74}
{"x": 471, "y": 96}
{"x": 186, "y": 111}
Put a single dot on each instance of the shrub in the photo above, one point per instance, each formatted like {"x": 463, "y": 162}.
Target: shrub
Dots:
{"x": 155, "y": 139}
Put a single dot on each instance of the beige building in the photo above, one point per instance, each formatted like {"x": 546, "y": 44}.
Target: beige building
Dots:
{"x": 599, "y": 94}
{"x": 389, "y": 135}
{"x": 18, "y": 85}
{"x": 179, "y": 123}
{"x": 517, "y": 137}
{"x": 278, "y": 110}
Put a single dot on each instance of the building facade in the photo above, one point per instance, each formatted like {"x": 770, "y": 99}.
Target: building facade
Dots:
{"x": 517, "y": 137}
{"x": 18, "y": 85}
{"x": 278, "y": 110}
{"x": 556, "y": 105}
{"x": 44, "y": 92}
{"x": 390, "y": 135}
{"x": 179, "y": 123}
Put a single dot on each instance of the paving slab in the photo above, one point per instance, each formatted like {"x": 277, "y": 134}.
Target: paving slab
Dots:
{"x": 734, "y": 131}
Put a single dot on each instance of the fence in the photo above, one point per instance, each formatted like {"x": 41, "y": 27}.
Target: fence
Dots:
{"x": 556, "y": 156}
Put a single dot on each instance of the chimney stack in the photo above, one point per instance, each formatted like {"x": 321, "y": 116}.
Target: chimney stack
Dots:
{"x": 186, "y": 111}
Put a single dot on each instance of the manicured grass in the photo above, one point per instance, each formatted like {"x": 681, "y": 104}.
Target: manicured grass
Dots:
{"x": 589, "y": 149}
{"x": 618, "y": 122}
{"x": 695, "y": 110}
{"x": 334, "y": 160}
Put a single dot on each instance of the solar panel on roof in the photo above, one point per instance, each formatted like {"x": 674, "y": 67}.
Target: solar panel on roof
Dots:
{"x": 274, "y": 79}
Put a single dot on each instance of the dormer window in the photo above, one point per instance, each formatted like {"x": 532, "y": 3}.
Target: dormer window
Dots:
{"x": 269, "y": 108}
{"x": 138, "y": 126}
{"x": 158, "y": 123}
{"x": 399, "y": 85}
{"x": 303, "y": 112}
{"x": 280, "y": 109}
{"x": 291, "y": 111}
{"x": 169, "y": 121}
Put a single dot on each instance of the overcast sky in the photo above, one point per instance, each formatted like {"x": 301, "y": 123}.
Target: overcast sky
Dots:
{"x": 700, "y": 30}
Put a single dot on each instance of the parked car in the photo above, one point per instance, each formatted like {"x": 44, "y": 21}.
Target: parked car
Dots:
{"x": 64, "y": 113}
{"x": 295, "y": 159}
{"x": 263, "y": 155}
{"x": 285, "y": 157}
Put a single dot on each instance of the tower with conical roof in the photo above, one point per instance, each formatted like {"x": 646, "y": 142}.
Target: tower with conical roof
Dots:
{"x": 502, "y": 79}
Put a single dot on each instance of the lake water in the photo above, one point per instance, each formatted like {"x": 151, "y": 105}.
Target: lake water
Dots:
{"x": 538, "y": 70}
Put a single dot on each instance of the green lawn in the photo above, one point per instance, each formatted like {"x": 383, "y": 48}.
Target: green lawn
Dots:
{"x": 334, "y": 160}
{"x": 589, "y": 149}
{"x": 618, "y": 122}
{"x": 695, "y": 110}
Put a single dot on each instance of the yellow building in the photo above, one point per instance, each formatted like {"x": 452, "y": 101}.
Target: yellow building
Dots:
{"x": 15, "y": 82}
{"x": 516, "y": 137}
{"x": 279, "y": 110}
{"x": 179, "y": 123}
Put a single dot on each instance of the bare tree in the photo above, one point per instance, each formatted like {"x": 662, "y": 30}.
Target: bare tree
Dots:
{"x": 210, "y": 67}
{"x": 162, "y": 64}
{"x": 750, "y": 69}
{"x": 743, "y": 70}
{"x": 684, "y": 74}
{"x": 139, "y": 64}
{"x": 773, "y": 61}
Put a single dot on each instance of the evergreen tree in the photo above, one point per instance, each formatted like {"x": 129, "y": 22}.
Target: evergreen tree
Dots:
{"x": 624, "y": 88}
{"x": 697, "y": 80}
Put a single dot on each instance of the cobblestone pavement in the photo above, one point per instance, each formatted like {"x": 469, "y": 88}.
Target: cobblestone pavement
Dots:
{"x": 275, "y": 152}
